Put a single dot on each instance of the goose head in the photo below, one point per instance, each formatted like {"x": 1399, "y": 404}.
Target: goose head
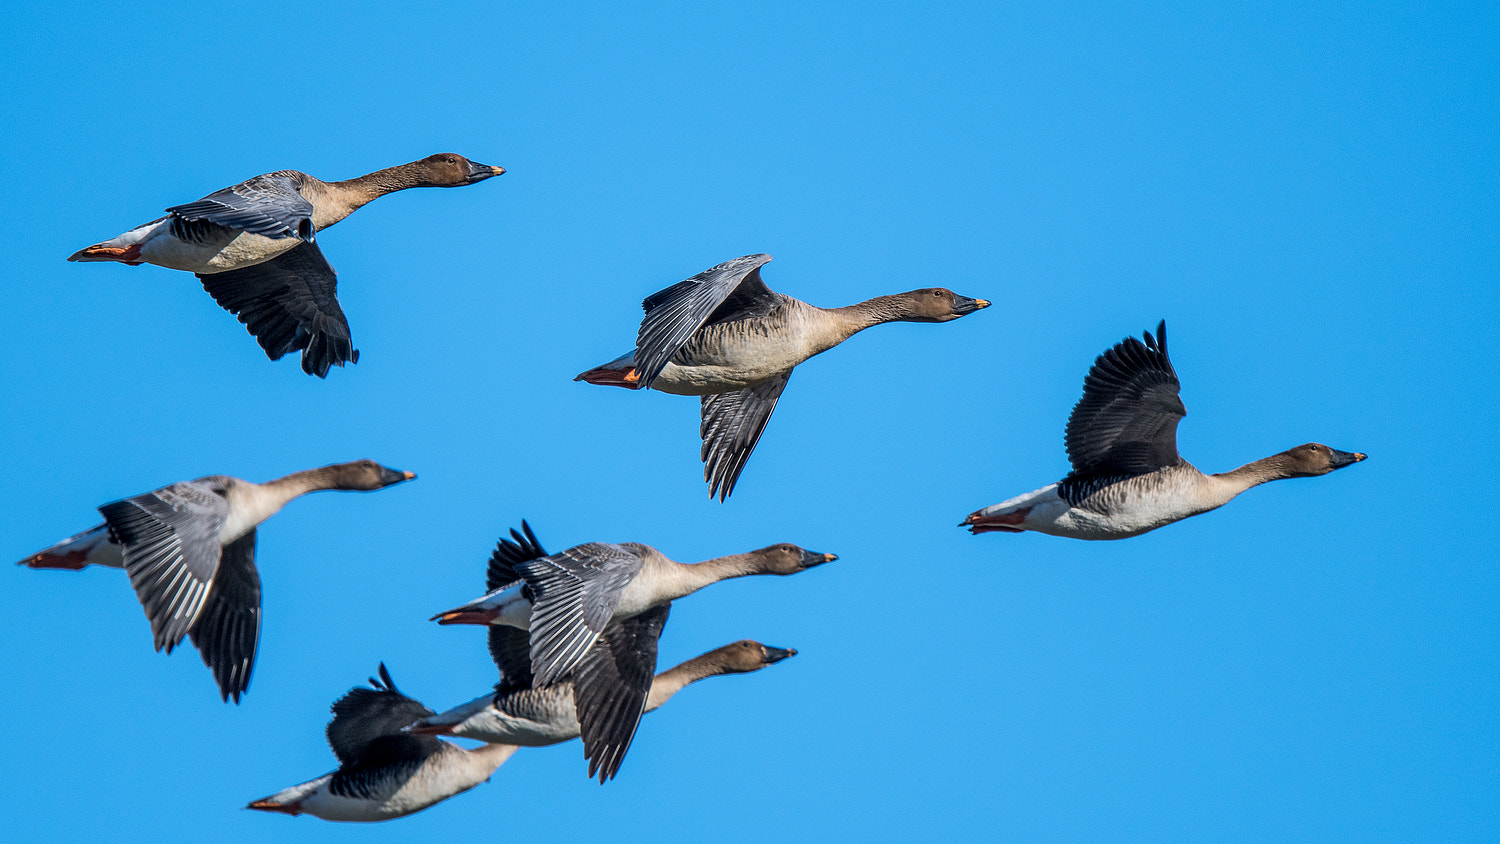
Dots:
{"x": 934, "y": 304}
{"x": 363, "y": 476}
{"x": 1313, "y": 459}
{"x": 789, "y": 559}
{"x": 747, "y": 655}
{"x": 449, "y": 170}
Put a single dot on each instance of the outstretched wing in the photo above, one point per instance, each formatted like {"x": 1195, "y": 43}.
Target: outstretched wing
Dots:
{"x": 611, "y": 685}
{"x": 731, "y": 426}
{"x": 267, "y": 205}
{"x": 509, "y": 553}
{"x": 1126, "y": 422}
{"x": 364, "y": 715}
{"x": 510, "y": 647}
{"x": 574, "y": 595}
{"x": 674, "y": 314}
{"x": 289, "y": 303}
{"x": 229, "y": 628}
{"x": 170, "y": 540}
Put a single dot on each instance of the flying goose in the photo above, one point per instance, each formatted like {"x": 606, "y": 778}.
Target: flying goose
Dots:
{"x": 1127, "y": 476}
{"x": 384, "y": 772}
{"x": 546, "y": 715}
{"x": 725, "y": 336}
{"x": 189, "y": 549}
{"x": 592, "y": 615}
{"x": 252, "y": 247}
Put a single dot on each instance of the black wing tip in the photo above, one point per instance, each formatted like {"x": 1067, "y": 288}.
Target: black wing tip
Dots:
{"x": 321, "y": 354}
{"x": 233, "y": 693}
{"x": 385, "y": 683}
{"x": 1159, "y": 342}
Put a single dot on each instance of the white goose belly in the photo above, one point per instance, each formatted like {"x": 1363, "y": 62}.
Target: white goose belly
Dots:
{"x": 213, "y": 255}
{"x": 394, "y": 799}
{"x": 730, "y": 369}
{"x": 486, "y": 722}
{"x": 1119, "y": 514}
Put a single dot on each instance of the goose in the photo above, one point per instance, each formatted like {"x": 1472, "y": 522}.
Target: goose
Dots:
{"x": 189, "y": 549}
{"x": 724, "y": 336}
{"x": 384, "y": 772}
{"x": 545, "y": 715}
{"x": 1127, "y": 476}
{"x": 252, "y": 245}
{"x": 592, "y": 614}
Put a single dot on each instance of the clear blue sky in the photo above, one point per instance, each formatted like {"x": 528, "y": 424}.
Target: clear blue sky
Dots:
{"x": 1308, "y": 195}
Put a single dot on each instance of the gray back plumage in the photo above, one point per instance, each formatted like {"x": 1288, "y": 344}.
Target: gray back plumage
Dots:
{"x": 268, "y": 205}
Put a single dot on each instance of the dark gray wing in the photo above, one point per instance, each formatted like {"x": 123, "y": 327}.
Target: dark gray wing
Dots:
{"x": 267, "y": 205}
{"x": 363, "y": 715}
{"x": 289, "y": 303}
{"x": 170, "y": 540}
{"x": 511, "y": 647}
{"x": 731, "y": 426}
{"x": 229, "y": 627}
{"x": 1126, "y": 422}
{"x": 574, "y": 595}
{"x": 673, "y": 315}
{"x": 366, "y": 735}
{"x": 611, "y": 685}
{"x": 509, "y": 553}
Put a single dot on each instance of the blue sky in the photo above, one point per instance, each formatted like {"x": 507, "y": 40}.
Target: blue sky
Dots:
{"x": 1307, "y": 195}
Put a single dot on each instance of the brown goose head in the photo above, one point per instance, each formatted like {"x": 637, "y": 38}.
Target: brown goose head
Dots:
{"x": 933, "y": 304}
{"x": 1313, "y": 459}
{"x": 448, "y": 170}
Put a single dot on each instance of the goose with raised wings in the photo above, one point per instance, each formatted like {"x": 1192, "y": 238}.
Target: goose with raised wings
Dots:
{"x": 1127, "y": 476}
{"x": 384, "y": 771}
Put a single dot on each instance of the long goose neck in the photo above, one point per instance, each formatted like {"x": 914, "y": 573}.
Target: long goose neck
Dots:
{"x": 687, "y": 578}
{"x": 1272, "y": 468}
{"x": 487, "y": 757}
{"x": 675, "y": 679}
{"x": 298, "y": 484}
{"x": 345, "y": 197}
{"x": 852, "y": 319}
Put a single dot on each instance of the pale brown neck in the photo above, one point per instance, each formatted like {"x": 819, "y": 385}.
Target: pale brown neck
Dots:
{"x": 858, "y": 317}
{"x": 303, "y": 482}
{"x": 1272, "y": 468}
{"x": 491, "y": 756}
{"x": 675, "y": 679}
{"x": 350, "y": 195}
{"x": 688, "y": 578}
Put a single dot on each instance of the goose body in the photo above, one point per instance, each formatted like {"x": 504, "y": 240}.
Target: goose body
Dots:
{"x": 384, "y": 772}
{"x": 189, "y": 549}
{"x": 724, "y": 336}
{"x": 589, "y": 616}
{"x": 252, "y": 246}
{"x": 1127, "y": 476}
